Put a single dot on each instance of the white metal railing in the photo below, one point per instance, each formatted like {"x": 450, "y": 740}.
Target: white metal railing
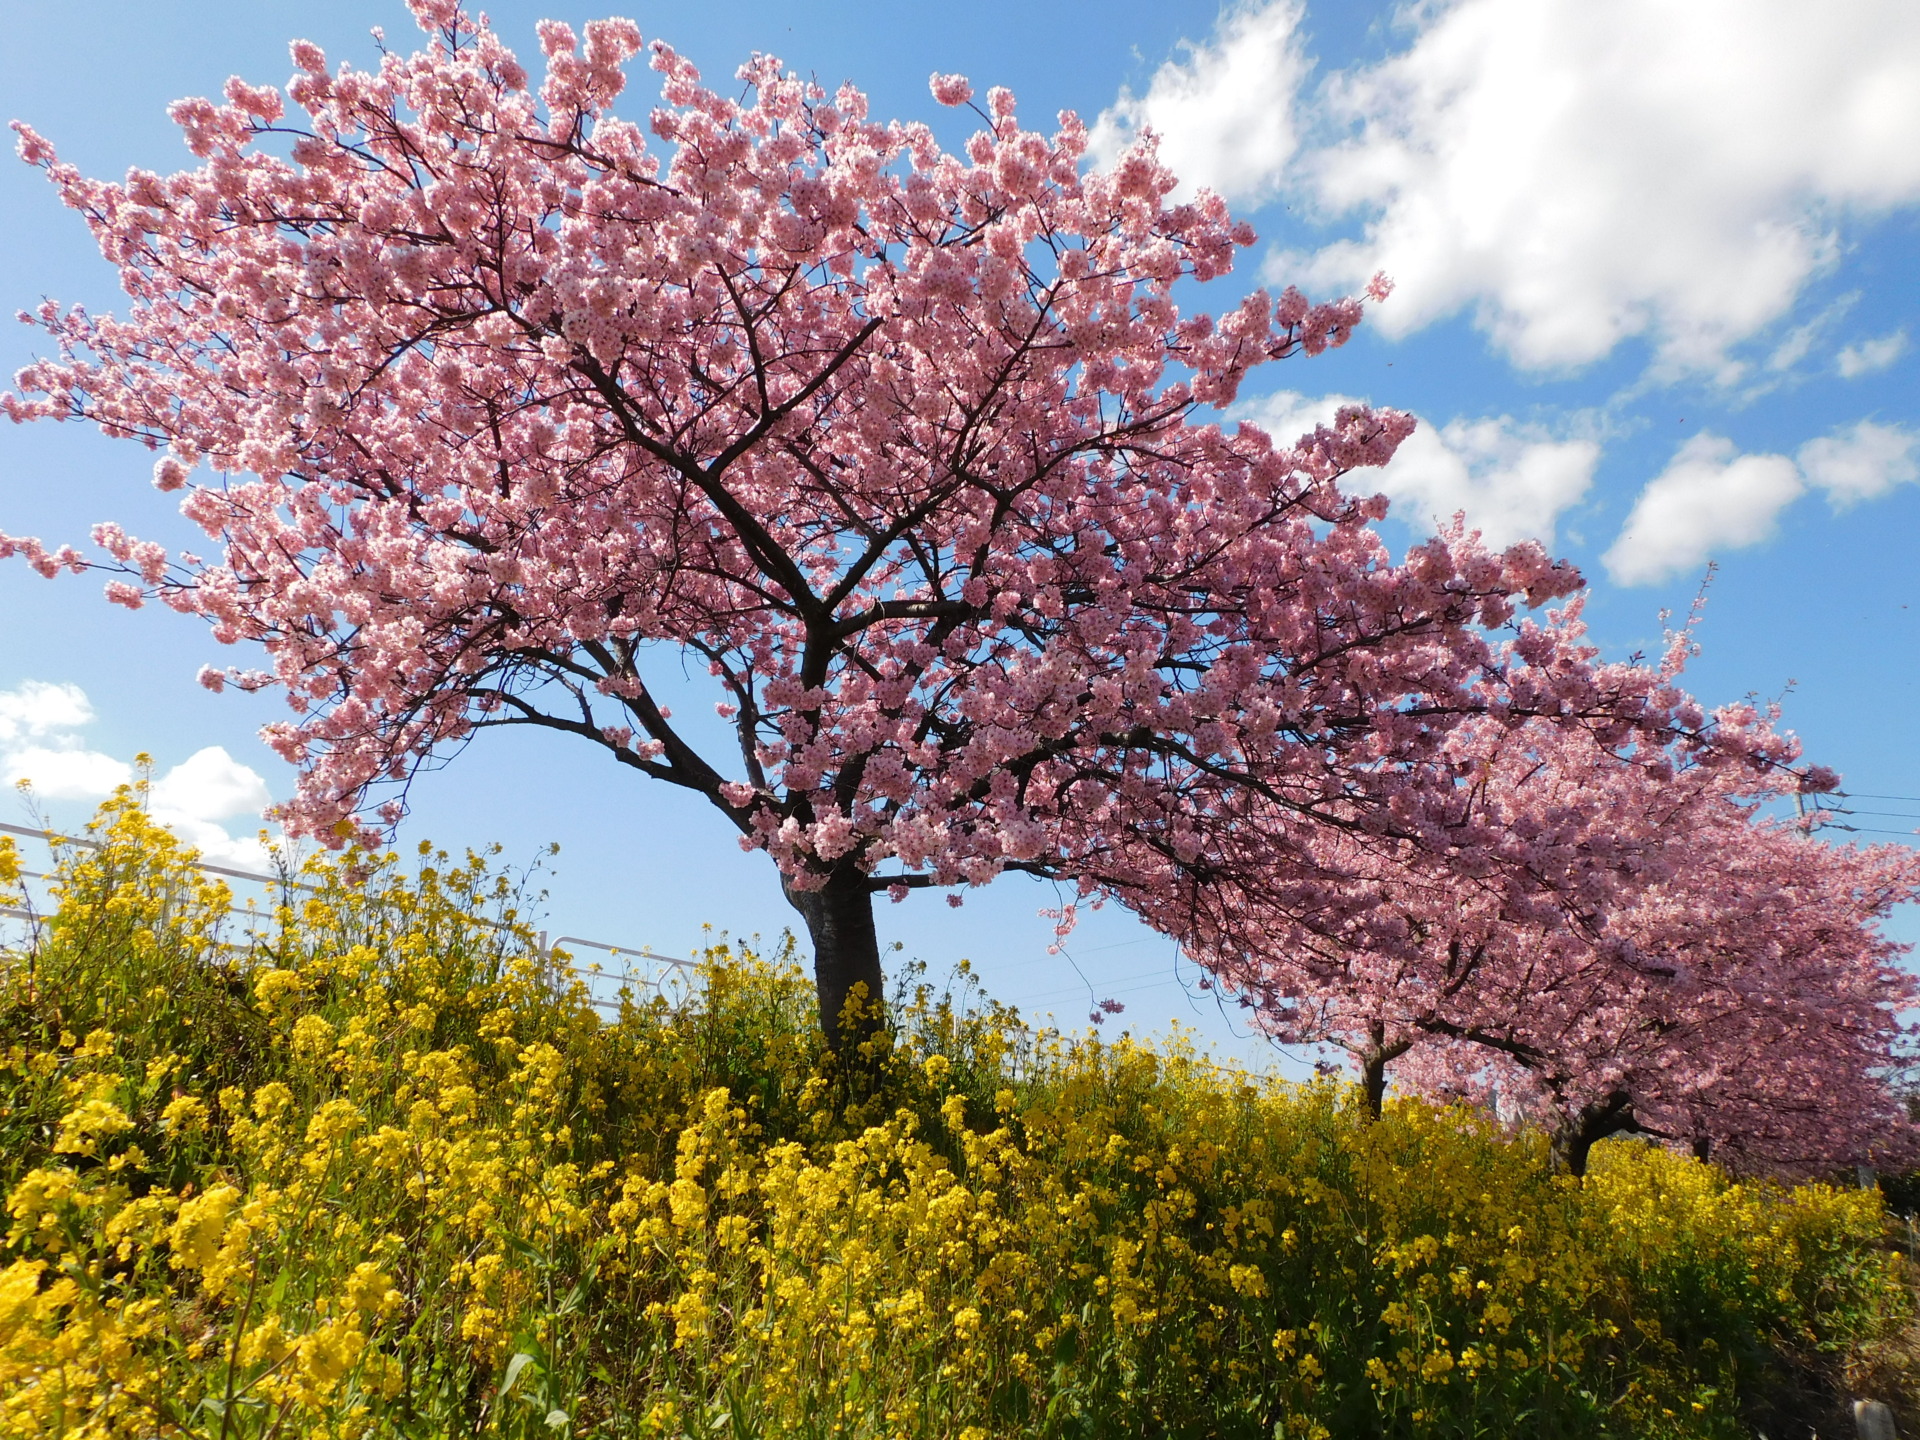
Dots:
{"x": 547, "y": 948}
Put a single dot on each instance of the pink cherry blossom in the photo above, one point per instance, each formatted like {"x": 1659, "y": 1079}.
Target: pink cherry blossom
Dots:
{"x": 1680, "y": 967}
{"x": 950, "y": 89}
{"x": 493, "y": 397}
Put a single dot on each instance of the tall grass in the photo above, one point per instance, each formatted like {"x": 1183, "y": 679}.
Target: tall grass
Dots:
{"x": 372, "y": 1171}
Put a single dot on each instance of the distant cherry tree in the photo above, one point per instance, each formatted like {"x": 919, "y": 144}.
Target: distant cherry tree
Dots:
{"x": 494, "y": 409}
{"x": 1714, "y": 977}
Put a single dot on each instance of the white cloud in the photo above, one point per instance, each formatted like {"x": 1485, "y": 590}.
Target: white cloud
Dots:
{"x": 39, "y": 743}
{"x": 1512, "y": 480}
{"x": 1793, "y": 346}
{"x": 65, "y": 774}
{"x": 37, "y": 708}
{"x": 207, "y": 787}
{"x": 1224, "y": 111}
{"x": 1799, "y": 342}
{"x": 36, "y": 744}
{"x": 1861, "y": 462}
{"x": 211, "y": 785}
{"x": 1577, "y": 175}
{"x": 1710, "y": 498}
{"x": 1286, "y": 415}
{"x": 1870, "y": 355}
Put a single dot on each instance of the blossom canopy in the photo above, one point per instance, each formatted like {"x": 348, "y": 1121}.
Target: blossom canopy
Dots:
{"x": 485, "y": 400}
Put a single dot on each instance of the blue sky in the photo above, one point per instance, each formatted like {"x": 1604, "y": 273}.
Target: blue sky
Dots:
{"x": 1657, "y": 305}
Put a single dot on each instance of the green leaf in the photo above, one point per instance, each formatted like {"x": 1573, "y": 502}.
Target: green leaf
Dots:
{"x": 514, "y": 1367}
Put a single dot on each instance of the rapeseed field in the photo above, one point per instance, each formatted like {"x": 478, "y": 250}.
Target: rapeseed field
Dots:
{"x": 366, "y": 1166}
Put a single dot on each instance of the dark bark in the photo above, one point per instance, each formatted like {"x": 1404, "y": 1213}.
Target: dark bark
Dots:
{"x": 1373, "y": 1068}
{"x": 1595, "y": 1121}
{"x": 846, "y": 955}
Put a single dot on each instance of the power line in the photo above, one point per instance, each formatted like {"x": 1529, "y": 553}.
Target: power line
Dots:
{"x": 1106, "y": 992}
{"x": 1120, "y": 985}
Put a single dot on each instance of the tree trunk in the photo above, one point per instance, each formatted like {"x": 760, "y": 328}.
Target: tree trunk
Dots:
{"x": 846, "y": 957}
{"x": 1598, "y": 1120}
{"x": 1572, "y": 1146}
{"x": 1373, "y": 1068}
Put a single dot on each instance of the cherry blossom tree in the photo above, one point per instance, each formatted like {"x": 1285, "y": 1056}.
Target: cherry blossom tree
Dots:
{"x": 1759, "y": 1022}
{"x": 1715, "y": 979}
{"x": 489, "y": 405}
